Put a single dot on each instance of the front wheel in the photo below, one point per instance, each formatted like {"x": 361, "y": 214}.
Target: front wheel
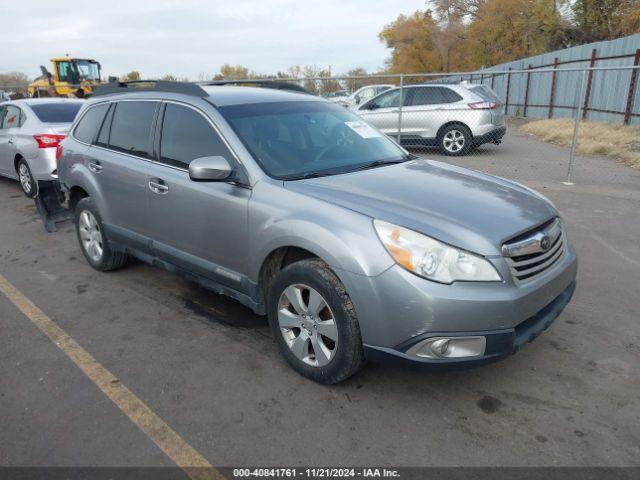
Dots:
{"x": 455, "y": 140}
{"x": 314, "y": 322}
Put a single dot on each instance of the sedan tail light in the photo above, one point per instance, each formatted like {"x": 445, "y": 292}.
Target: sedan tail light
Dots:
{"x": 48, "y": 140}
{"x": 483, "y": 105}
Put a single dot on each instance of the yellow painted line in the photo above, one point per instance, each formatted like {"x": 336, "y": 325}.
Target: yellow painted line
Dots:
{"x": 179, "y": 451}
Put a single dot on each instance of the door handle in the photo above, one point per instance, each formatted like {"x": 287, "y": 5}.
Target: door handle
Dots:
{"x": 95, "y": 167}
{"x": 10, "y": 140}
{"x": 158, "y": 186}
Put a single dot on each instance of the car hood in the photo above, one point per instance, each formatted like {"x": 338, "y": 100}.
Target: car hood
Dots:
{"x": 468, "y": 209}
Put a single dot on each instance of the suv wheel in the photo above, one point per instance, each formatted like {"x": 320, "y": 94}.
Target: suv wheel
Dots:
{"x": 314, "y": 322}
{"x": 455, "y": 140}
{"x": 27, "y": 182}
{"x": 93, "y": 241}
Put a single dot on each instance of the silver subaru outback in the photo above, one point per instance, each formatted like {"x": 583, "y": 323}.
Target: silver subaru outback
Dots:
{"x": 354, "y": 248}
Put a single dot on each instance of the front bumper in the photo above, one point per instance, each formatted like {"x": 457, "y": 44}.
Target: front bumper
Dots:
{"x": 499, "y": 343}
{"x": 398, "y": 309}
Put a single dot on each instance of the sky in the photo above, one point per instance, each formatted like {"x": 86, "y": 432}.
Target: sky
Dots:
{"x": 189, "y": 38}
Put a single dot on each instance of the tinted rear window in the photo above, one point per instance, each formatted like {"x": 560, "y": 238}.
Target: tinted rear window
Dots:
{"x": 485, "y": 93}
{"x": 103, "y": 136}
{"x": 432, "y": 96}
{"x": 90, "y": 123}
{"x": 449, "y": 96}
{"x": 131, "y": 128}
{"x": 56, "y": 112}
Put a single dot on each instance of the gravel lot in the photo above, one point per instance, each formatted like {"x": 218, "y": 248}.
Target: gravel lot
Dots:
{"x": 208, "y": 367}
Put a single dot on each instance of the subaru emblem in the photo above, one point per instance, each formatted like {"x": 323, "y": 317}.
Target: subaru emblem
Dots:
{"x": 545, "y": 243}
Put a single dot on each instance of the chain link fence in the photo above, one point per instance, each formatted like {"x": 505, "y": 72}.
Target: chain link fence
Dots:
{"x": 490, "y": 116}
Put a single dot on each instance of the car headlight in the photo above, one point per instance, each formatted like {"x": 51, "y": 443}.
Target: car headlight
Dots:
{"x": 432, "y": 259}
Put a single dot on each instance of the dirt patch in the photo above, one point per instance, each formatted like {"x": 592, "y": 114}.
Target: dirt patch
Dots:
{"x": 489, "y": 404}
{"x": 610, "y": 140}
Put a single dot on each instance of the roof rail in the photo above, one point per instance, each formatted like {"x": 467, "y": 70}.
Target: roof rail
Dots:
{"x": 185, "y": 88}
{"x": 275, "y": 84}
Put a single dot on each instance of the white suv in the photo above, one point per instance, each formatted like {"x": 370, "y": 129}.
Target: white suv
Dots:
{"x": 455, "y": 118}
{"x": 362, "y": 95}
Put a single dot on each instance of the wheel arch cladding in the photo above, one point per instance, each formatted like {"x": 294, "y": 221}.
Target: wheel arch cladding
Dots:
{"x": 451, "y": 123}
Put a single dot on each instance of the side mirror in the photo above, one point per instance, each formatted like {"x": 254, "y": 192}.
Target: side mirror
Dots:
{"x": 210, "y": 169}
{"x": 370, "y": 106}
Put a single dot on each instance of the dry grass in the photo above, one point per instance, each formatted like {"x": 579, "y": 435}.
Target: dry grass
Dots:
{"x": 617, "y": 141}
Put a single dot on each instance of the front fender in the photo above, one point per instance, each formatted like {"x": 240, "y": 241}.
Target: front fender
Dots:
{"x": 344, "y": 239}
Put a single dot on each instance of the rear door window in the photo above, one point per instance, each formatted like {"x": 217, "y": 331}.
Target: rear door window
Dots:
{"x": 103, "y": 136}
{"x": 422, "y": 96}
{"x": 131, "y": 128}
{"x": 431, "y": 96}
{"x": 89, "y": 124}
{"x": 11, "y": 117}
{"x": 187, "y": 135}
{"x": 56, "y": 112}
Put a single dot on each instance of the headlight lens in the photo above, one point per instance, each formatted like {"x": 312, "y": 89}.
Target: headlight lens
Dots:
{"x": 432, "y": 259}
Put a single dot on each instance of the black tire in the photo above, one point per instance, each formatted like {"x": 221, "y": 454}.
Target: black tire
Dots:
{"x": 110, "y": 259}
{"x": 31, "y": 187}
{"x": 349, "y": 354}
{"x": 453, "y": 148}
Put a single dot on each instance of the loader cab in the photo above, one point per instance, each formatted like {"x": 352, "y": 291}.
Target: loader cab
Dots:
{"x": 76, "y": 70}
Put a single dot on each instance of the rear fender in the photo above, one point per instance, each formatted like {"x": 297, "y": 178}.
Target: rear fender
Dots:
{"x": 79, "y": 175}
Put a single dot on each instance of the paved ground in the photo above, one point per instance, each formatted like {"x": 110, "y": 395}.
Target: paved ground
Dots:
{"x": 209, "y": 368}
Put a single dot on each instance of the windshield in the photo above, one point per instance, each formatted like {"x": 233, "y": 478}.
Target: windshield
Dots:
{"x": 56, "y": 112}
{"x": 87, "y": 70}
{"x": 296, "y": 139}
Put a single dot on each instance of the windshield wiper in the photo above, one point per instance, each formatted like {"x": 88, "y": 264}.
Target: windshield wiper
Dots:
{"x": 308, "y": 175}
{"x": 375, "y": 164}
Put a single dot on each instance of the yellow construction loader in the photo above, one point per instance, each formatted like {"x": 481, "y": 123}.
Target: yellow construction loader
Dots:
{"x": 71, "y": 77}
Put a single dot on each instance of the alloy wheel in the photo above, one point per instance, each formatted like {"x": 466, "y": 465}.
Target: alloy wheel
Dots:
{"x": 91, "y": 236}
{"x": 308, "y": 325}
{"x": 25, "y": 178}
{"x": 453, "y": 141}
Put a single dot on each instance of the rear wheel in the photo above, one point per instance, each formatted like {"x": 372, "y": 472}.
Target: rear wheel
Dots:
{"x": 455, "y": 140}
{"x": 93, "y": 240}
{"x": 27, "y": 182}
